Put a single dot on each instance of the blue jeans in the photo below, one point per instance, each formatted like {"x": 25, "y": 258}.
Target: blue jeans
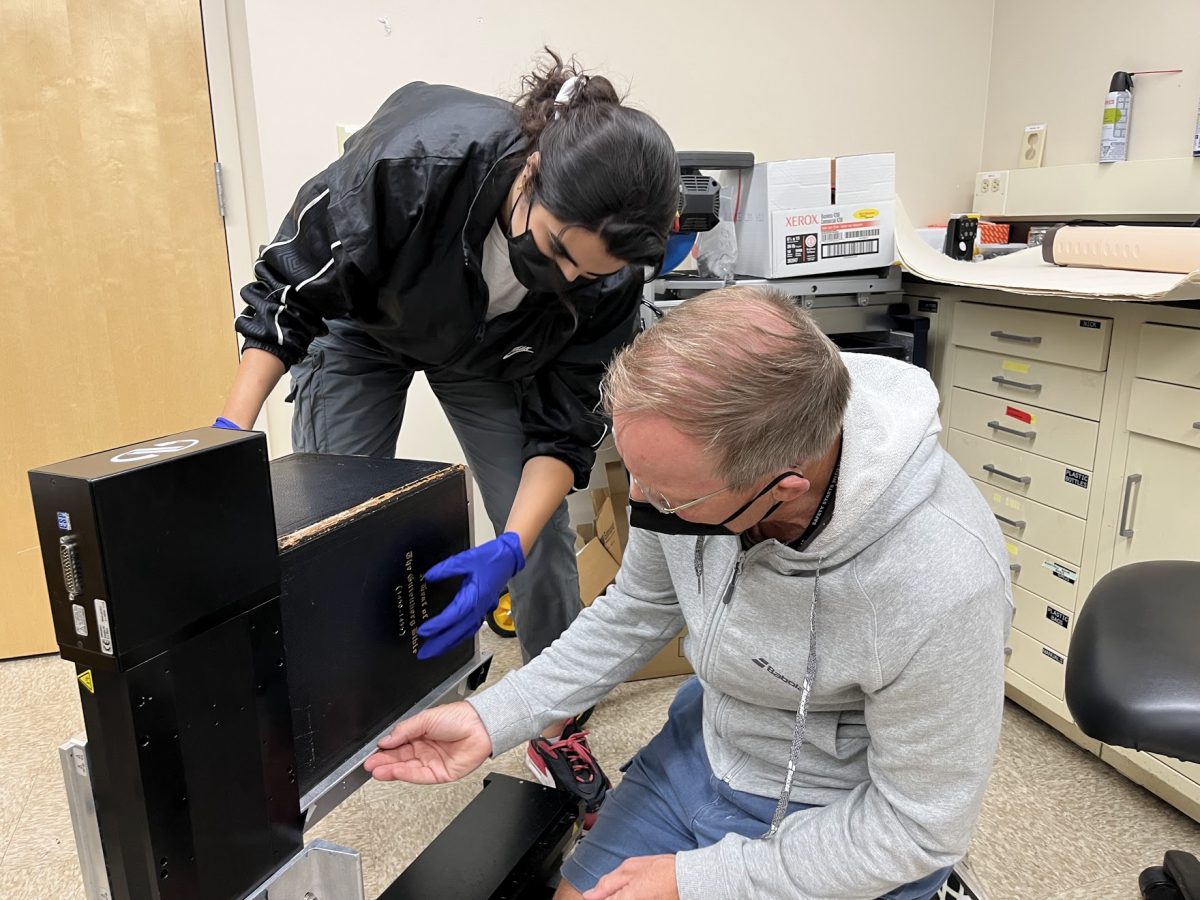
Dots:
{"x": 670, "y": 801}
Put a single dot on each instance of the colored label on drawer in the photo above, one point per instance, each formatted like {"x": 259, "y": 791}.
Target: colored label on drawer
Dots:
{"x": 1079, "y": 479}
{"x": 1011, "y": 365}
{"x": 1054, "y": 656}
{"x": 1020, "y": 415}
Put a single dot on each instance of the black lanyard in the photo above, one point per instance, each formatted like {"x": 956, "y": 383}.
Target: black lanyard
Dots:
{"x": 824, "y": 509}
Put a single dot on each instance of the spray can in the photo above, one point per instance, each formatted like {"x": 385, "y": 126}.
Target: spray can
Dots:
{"x": 1118, "y": 105}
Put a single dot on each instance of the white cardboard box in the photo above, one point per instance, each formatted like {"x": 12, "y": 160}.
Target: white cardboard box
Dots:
{"x": 783, "y": 232}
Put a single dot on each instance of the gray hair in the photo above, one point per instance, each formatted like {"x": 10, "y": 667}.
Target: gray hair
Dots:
{"x": 745, "y": 372}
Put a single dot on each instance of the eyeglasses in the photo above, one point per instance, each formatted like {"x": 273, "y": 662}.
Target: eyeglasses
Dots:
{"x": 663, "y": 505}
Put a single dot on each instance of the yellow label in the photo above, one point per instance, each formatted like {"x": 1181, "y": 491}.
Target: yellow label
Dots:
{"x": 867, "y": 214}
{"x": 997, "y": 498}
{"x": 1013, "y": 551}
{"x": 86, "y": 680}
{"x": 1011, "y": 365}
{"x": 1032, "y": 419}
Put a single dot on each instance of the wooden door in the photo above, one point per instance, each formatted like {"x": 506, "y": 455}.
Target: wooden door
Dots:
{"x": 117, "y": 314}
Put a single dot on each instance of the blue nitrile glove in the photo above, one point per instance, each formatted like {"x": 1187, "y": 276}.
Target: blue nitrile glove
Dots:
{"x": 223, "y": 422}
{"x": 485, "y": 572}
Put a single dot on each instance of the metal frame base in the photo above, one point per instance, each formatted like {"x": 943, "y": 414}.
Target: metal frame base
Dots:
{"x": 321, "y": 871}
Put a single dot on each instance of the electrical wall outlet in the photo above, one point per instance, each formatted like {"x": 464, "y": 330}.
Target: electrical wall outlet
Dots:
{"x": 1033, "y": 145}
{"x": 991, "y": 190}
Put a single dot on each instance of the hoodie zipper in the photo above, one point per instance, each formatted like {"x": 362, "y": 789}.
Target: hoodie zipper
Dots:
{"x": 737, "y": 571}
{"x": 719, "y": 614}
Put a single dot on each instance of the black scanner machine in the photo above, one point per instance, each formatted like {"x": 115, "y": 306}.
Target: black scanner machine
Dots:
{"x": 243, "y": 632}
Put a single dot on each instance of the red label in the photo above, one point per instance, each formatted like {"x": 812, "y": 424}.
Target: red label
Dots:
{"x": 807, "y": 219}
{"x": 1014, "y": 413}
{"x": 850, "y": 226}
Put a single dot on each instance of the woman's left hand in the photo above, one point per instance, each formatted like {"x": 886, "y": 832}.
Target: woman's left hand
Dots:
{"x": 485, "y": 571}
{"x": 639, "y": 878}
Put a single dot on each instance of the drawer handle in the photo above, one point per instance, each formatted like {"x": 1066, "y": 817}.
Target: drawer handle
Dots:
{"x": 1014, "y": 568}
{"x": 1018, "y": 432}
{"x": 1196, "y": 424}
{"x": 1006, "y": 382}
{"x": 1022, "y": 479}
{"x": 1012, "y": 523}
{"x": 1024, "y": 339}
{"x": 1126, "y": 531}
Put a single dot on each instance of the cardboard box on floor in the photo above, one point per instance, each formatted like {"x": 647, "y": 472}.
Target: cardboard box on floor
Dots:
{"x": 606, "y": 531}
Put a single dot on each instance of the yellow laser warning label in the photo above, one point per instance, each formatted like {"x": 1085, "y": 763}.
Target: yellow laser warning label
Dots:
{"x": 86, "y": 680}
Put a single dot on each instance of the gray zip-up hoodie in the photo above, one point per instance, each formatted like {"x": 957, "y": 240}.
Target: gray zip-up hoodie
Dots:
{"x": 905, "y": 602}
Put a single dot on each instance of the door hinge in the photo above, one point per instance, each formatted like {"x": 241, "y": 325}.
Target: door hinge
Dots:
{"x": 220, "y": 189}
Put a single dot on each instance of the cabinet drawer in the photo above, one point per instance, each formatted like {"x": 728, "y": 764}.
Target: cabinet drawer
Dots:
{"x": 1165, "y": 411}
{"x": 1068, "y": 439}
{"x": 1047, "y": 576}
{"x": 1048, "y": 336}
{"x": 1042, "y": 620}
{"x": 1022, "y": 473}
{"x": 1044, "y": 666}
{"x": 1077, "y": 392}
{"x": 1169, "y": 353}
{"x": 1035, "y": 523}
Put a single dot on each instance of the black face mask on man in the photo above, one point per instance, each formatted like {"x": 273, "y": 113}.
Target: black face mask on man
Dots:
{"x": 536, "y": 271}
{"x": 644, "y": 515}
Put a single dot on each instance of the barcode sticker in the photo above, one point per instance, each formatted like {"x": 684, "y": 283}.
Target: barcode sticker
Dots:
{"x": 853, "y": 235}
{"x": 849, "y": 248}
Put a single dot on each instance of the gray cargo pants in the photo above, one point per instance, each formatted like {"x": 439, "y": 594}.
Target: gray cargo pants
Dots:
{"x": 349, "y": 395}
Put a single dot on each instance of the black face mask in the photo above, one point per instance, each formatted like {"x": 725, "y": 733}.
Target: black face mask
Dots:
{"x": 644, "y": 515}
{"x": 536, "y": 271}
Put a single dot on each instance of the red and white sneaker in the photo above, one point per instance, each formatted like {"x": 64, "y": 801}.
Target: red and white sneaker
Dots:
{"x": 567, "y": 764}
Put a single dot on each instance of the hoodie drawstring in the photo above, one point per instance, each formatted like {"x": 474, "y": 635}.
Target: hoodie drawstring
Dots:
{"x": 798, "y": 732}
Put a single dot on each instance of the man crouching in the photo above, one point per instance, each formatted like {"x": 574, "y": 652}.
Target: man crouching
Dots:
{"x": 845, "y": 589}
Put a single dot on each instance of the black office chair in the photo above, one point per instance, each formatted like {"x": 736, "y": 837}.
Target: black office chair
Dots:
{"x": 1133, "y": 680}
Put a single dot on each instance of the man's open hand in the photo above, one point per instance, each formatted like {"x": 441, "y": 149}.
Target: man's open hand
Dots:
{"x": 439, "y": 745}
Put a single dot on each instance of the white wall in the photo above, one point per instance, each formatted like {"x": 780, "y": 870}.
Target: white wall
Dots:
{"x": 1052, "y": 62}
{"x": 781, "y": 78}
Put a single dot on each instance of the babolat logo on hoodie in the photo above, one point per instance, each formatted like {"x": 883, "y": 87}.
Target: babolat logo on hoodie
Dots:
{"x": 763, "y": 664}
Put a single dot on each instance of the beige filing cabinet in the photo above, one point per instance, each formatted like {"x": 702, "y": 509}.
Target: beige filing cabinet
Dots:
{"x": 1079, "y": 421}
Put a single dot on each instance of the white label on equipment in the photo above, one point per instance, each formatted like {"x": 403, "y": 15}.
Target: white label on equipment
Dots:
{"x": 162, "y": 448}
{"x": 80, "y": 619}
{"x": 102, "y": 626}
